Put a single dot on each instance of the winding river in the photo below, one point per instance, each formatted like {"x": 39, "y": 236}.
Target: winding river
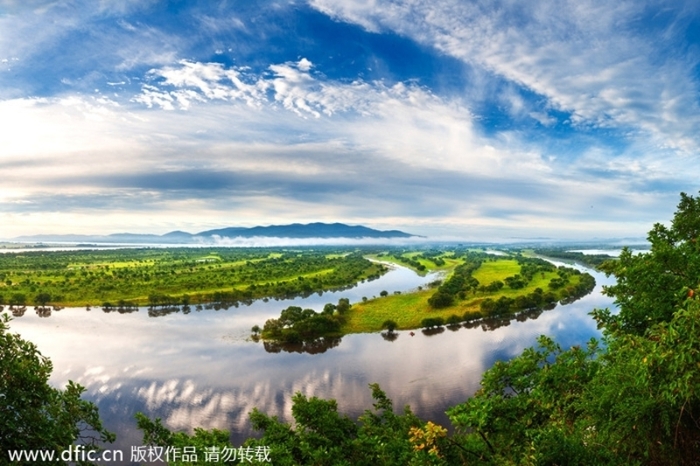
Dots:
{"x": 202, "y": 369}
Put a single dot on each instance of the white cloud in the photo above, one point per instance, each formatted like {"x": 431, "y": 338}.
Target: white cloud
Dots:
{"x": 403, "y": 122}
{"x": 583, "y": 56}
{"x": 394, "y": 156}
{"x": 200, "y": 81}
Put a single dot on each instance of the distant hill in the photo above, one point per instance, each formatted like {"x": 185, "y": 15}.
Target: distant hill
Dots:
{"x": 311, "y": 230}
{"x": 295, "y": 231}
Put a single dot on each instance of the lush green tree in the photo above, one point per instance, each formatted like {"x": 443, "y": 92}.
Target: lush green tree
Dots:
{"x": 343, "y": 305}
{"x": 389, "y": 325}
{"x": 643, "y": 403}
{"x": 329, "y": 308}
{"x": 453, "y": 320}
{"x": 440, "y": 300}
{"x": 526, "y": 409}
{"x": 33, "y": 414}
{"x": 42, "y": 299}
{"x": 647, "y": 284}
{"x": 210, "y": 446}
{"x": 18, "y": 299}
{"x": 430, "y": 322}
{"x": 633, "y": 401}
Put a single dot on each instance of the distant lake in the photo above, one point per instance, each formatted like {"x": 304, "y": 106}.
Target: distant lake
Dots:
{"x": 202, "y": 369}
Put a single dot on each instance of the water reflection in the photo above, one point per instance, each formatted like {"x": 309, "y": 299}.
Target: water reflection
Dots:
{"x": 429, "y": 332}
{"x": 390, "y": 336}
{"x": 202, "y": 369}
{"x": 317, "y": 346}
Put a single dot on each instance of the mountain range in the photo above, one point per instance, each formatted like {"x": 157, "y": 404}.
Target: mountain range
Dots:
{"x": 295, "y": 231}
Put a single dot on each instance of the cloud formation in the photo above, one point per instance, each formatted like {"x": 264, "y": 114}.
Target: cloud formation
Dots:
{"x": 588, "y": 59}
{"x": 453, "y": 119}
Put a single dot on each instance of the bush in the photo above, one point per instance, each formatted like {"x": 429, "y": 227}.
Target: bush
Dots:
{"x": 440, "y": 300}
{"x": 389, "y": 325}
{"x": 453, "y": 320}
{"x": 430, "y": 322}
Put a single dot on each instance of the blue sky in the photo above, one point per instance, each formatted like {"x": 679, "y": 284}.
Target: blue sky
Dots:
{"x": 480, "y": 120}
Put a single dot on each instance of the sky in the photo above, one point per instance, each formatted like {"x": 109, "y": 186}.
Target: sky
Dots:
{"x": 481, "y": 120}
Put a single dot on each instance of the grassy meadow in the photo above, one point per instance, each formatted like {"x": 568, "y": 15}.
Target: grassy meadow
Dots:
{"x": 409, "y": 309}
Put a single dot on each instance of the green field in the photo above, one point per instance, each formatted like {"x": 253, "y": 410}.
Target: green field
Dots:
{"x": 496, "y": 270}
{"x": 408, "y": 310}
{"x": 175, "y": 276}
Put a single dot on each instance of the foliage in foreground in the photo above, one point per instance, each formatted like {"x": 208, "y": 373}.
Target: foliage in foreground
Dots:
{"x": 33, "y": 414}
{"x": 634, "y": 402}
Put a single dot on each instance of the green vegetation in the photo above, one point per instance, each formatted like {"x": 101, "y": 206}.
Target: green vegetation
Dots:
{"x": 496, "y": 269}
{"x": 296, "y": 325}
{"x": 513, "y": 285}
{"x": 122, "y": 279}
{"x": 632, "y": 401}
{"x": 33, "y": 414}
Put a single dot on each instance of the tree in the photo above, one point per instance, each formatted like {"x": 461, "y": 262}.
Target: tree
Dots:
{"x": 389, "y": 325}
{"x": 430, "y": 322}
{"x": 34, "y": 414}
{"x": 343, "y": 305}
{"x": 648, "y": 284}
{"x": 329, "y": 308}
{"x": 42, "y": 298}
{"x": 633, "y": 400}
{"x": 440, "y": 300}
{"x": 17, "y": 299}
{"x": 453, "y": 321}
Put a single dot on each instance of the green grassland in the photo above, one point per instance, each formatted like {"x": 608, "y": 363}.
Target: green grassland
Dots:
{"x": 409, "y": 309}
{"x": 175, "y": 276}
{"x": 496, "y": 270}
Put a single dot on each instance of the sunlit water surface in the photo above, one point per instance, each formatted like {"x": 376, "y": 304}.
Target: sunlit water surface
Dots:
{"x": 202, "y": 368}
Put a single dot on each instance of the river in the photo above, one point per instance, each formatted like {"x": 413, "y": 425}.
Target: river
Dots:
{"x": 202, "y": 368}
